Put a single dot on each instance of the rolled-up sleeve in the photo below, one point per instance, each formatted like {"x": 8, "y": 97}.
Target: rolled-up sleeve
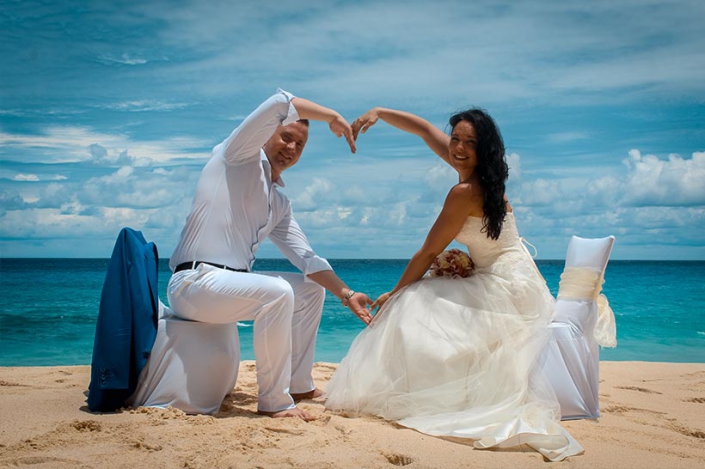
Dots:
{"x": 245, "y": 141}
{"x": 292, "y": 242}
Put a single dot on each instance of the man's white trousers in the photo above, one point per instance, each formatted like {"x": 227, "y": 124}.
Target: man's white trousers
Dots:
{"x": 286, "y": 311}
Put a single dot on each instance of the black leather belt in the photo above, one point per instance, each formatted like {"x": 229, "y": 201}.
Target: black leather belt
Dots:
{"x": 194, "y": 264}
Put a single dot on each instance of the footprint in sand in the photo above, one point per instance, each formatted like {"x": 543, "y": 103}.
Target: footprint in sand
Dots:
{"x": 323, "y": 366}
{"x": 398, "y": 459}
{"x": 697, "y": 400}
{"x": 241, "y": 398}
{"x": 285, "y": 430}
{"x": 11, "y": 384}
{"x": 636, "y": 388}
{"x": 687, "y": 431}
{"x": 86, "y": 426}
{"x": 343, "y": 429}
{"x": 33, "y": 460}
{"x": 141, "y": 445}
{"x": 620, "y": 409}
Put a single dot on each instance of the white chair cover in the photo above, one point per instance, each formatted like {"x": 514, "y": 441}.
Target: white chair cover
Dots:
{"x": 192, "y": 367}
{"x": 571, "y": 359}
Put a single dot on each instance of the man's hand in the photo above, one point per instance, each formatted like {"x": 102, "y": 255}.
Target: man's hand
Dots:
{"x": 358, "y": 304}
{"x": 340, "y": 127}
{"x": 337, "y": 123}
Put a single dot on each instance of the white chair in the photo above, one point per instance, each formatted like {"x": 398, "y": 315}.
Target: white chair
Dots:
{"x": 583, "y": 322}
{"x": 192, "y": 366}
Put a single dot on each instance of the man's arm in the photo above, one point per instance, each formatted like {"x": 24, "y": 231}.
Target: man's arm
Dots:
{"x": 292, "y": 242}
{"x": 247, "y": 139}
{"x": 338, "y": 125}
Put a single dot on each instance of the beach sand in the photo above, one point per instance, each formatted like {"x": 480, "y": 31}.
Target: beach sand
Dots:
{"x": 653, "y": 416}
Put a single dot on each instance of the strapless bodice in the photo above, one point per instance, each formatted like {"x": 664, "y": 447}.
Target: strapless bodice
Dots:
{"x": 486, "y": 251}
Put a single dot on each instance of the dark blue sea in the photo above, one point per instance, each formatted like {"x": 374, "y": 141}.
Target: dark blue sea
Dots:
{"x": 49, "y": 308}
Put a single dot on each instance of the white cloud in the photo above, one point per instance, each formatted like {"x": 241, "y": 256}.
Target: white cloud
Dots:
{"x": 545, "y": 192}
{"x": 144, "y": 106}
{"x": 316, "y": 192}
{"x": 133, "y": 187}
{"x": 10, "y": 200}
{"x": 13, "y": 175}
{"x": 514, "y": 163}
{"x": 101, "y": 156}
{"x": 646, "y": 180}
{"x": 64, "y": 144}
{"x": 125, "y": 59}
{"x": 441, "y": 175}
{"x": 673, "y": 182}
{"x": 653, "y": 202}
{"x": 26, "y": 177}
{"x": 57, "y": 223}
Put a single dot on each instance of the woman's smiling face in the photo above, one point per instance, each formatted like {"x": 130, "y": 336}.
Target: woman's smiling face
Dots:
{"x": 461, "y": 149}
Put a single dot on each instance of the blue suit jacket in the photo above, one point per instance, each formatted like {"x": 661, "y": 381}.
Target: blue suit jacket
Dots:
{"x": 127, "y": 321}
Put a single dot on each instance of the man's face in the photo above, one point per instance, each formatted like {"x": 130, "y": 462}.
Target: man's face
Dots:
{"x": 284, "y": 147}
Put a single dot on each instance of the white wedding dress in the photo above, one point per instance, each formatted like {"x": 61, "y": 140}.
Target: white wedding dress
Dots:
{"x": 457, "y": 356}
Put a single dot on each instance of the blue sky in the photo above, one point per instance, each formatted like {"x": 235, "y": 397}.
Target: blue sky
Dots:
{"x": 108, "y": 111}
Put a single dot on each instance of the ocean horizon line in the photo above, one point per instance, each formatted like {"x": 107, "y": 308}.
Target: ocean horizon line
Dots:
{"x": 685, "y": 261}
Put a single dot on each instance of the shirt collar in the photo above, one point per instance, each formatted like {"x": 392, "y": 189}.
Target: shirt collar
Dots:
{"x": 268, "y": 171}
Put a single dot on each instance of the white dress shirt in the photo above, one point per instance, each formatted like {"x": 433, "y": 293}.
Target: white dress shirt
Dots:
{"x": 237, "y": 205}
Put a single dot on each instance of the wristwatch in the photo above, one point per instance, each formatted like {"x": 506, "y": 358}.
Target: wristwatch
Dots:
{"x": 347, "y": 296}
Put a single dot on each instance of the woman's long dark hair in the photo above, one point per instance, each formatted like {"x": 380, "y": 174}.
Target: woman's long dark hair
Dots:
{"x": 491, "y": 167}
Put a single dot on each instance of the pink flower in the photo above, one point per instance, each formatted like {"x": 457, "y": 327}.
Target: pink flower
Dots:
{"x": 453, "y": 263}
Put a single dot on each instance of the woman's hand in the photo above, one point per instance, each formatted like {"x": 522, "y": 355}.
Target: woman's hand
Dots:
{"x": 365, "y": 121}
{"x": 340, "y": 127}
{"x": 380, "y": 300}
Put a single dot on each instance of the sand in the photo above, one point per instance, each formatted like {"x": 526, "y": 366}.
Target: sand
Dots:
{"x": 653, "y": 416}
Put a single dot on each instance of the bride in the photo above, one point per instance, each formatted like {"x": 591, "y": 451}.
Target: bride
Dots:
{"x": 452, "y": 356}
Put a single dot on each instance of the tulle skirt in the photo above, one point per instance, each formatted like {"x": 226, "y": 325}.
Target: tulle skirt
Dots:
{"x": 457, "y": 357}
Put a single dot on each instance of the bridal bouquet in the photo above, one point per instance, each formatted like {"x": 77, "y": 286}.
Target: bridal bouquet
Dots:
{"x": 453, "y": 263}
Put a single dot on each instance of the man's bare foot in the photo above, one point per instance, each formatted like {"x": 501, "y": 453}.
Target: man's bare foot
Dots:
{"x": 295, "y": 412}
{"x": 307, "y": 395}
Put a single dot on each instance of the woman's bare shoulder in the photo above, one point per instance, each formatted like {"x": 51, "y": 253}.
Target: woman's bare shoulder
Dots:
{"x": 467, "y": 195}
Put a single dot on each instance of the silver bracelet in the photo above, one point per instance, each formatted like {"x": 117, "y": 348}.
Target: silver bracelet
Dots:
{"x": 346, "y": 298}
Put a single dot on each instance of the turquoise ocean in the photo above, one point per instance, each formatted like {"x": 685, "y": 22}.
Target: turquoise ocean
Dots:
{"x": 49, "y": 308}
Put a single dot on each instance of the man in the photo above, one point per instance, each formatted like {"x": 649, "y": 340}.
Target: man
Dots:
{"x": 237, "y": 205}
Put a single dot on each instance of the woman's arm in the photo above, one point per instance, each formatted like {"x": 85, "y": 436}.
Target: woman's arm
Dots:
{"x": 459, "y": 203}
{"x": 434, "y": 137}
